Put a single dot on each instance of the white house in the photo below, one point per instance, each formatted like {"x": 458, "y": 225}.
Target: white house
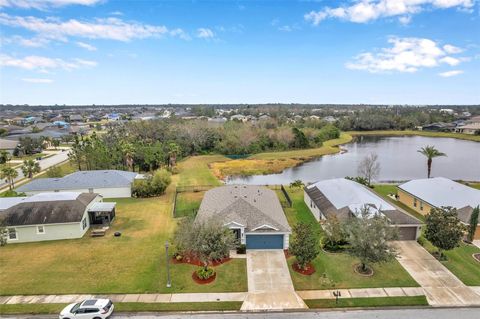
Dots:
{"x": 345, "y": 199}
{"x": 108, "y": 183}
{"x": 48, "y": 216}
{"x": 254, "y": 213}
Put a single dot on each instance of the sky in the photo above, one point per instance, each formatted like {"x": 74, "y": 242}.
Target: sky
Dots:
{"x": 154, "y": 52}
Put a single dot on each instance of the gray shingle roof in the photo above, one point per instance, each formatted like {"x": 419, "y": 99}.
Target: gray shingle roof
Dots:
{"x": 48, "y": 212}
{"x": 251, "y": 206}
{"x": 82, "y": 179}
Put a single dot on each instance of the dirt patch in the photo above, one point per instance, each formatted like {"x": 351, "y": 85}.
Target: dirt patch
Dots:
{"x": 476, "y": 257}
{"x": 203, "y": 281}
{"x": 309, "y": 270}
{"x": 357, "y": 268}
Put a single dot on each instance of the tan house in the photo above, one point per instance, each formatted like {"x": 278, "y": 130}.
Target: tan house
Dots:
{"x": 471, "y": 128}
{"x": 422, "y": 195}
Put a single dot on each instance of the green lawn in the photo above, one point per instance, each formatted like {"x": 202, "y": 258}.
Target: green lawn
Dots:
{"x": 195, "y": 170}
{"x": 132, "y": 263}
{"x": 336, "y": 270}
{"x": 368, "y": 302}
{"x": 461, "y": 263}
{"x": 125, "y": 307}
{"x": 188, "y": 203}
{"x": 384, "y": 189}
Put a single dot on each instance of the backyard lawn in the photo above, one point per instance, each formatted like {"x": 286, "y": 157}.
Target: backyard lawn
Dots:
{"x": 336, "y": 270}
{"x": 188, "y": 203}
{"x": 132, "y": 263}
{"x": 195, "y": 170}
{"x": 384, "y": 189}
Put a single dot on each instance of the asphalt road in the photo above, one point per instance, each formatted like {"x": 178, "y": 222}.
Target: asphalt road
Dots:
{"x": 44, "y": 164}
{"x": 420, "y": 313}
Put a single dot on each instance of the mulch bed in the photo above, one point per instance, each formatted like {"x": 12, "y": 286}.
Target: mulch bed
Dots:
{"x": 476, "y": 257}
{"x": 356, "y": 269}
{"x": 196, "y": 262}
{"x": 309, "y": 270}
{"x": 203, "y": 281}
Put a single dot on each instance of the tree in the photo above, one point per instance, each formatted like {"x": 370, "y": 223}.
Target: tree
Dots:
{"x": 3, "y": 235}
{"x": 472, "y": 227}
{"x": 56, "y": 143}
{"x": 30, "y": 167}
{"x": 9, "y": 174}
{"x": 335, "y": 234}
{"x": 54, "y": 172}
{"x": 296, "y": 184}
{"x": 304, "y": 245}
{"x": 299, "y": 138}
{"x": 430, "y": 152}
{"x": 4, "y": 157}
{"x": 369, "y": 167}
{"x": 206, "y": 241}
{"x": 128, "y": 153}
{"x": 368, "y": 236}
{"x": 444, "y": 229}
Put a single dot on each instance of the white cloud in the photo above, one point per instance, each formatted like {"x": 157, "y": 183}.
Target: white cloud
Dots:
{"x": 86, "y": 46}
{"x": 38, "y": 80}
{"x": 43, "y": 64}
{"x": 205, "y": 33}
{"x": 109, "y": 28}
{"x": 452, "y": 49}
{"x": 450, "y": 73}
{"x": 405, "y": 55}
{"x": 35, "y": 42}
{"x": 363, "y": 11}
{"x": 43, "y": 4}
{"x": 405, "y": 20}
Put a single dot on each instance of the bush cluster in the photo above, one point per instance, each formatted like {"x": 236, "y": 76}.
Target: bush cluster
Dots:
{"x": 205, "y": 273}
{"x": 153, "y": 185}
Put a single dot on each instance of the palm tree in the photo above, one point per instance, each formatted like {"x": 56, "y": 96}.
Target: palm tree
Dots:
{"x": 9, "y": 174}
{"x": 4, "y": 157}
{"x": 173, "y": 150}
{"x": 30, "y": 167}
{"x": 128, "y": 153}
{"x": 430, "y": 152}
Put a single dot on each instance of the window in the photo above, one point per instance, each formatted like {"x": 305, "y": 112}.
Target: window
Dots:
{"x": 12, "y": 234}
{"x": 40, "y": 230}
{"x": 90, "y": 190}
{"x": 91, "y": 310}
{"x": 421, "y": 205}
{"x": 414, "y": 202}
{"x": 84, "y": 223}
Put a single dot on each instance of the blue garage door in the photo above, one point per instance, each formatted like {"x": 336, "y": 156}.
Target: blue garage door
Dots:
{"x": 264, "y": 241}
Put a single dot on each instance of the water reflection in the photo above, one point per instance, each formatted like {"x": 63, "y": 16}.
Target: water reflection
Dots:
{"x": 398, "y": 158}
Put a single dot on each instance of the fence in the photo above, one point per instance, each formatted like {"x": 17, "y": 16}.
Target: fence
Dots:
{"x": 193, "y": 188}
{"x": 287, "y": 197}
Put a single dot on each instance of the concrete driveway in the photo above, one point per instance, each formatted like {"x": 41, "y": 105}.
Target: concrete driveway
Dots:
{"x": 477, "y": 243}
{"x": 270, "y": 286}
{"x": 441, "y": 287}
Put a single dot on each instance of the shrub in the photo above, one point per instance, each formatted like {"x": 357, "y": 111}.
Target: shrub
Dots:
{"x": 241, "y": 249}
{"x": 205, "y": 273}
{"x": 304, "y": 244}
{"x": 55, "y": 171}
{"x": 152, "y": 186}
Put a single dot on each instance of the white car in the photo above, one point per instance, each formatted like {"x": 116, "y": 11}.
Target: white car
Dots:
{"x": 88, "y": 309}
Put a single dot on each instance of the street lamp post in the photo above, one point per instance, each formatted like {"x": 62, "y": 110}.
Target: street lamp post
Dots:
{"x": 169, "y": 284}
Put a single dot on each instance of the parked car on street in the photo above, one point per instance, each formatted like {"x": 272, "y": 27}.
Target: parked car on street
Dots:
{"x": 88, "y": 309}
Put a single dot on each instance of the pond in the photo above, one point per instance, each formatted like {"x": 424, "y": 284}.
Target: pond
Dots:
{"x": 398, "y": 157}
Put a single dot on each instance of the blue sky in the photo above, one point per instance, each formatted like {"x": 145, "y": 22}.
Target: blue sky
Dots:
{"x": 360, "y": 51}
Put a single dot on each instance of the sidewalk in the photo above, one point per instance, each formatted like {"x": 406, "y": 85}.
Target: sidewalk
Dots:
{"x": 362, "y": 293}
{"x": 210, "y": 297}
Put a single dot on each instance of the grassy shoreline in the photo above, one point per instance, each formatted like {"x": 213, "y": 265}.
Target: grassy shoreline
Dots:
{"x": 468, "y": 137}
{"x": 276, "y": 162}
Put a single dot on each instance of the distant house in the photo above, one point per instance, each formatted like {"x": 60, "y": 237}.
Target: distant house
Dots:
{"x": 447, "y": 111}
{"x": 107, "y": 183}
{"x": 238, "y": 117}
{"x": 54, "y": 216}
{"x": 8, "y": 145}
{"x": 253, "y": 213}
{"x": 218, "y": 120}
{"x": 439, "y": 127}
{"x": 329, "y": 119}
{"x": 345, "y": 199}
{"x": 76, "y": 118}
{"x": 422, "y": 195}
{"x": 472, "y": 128}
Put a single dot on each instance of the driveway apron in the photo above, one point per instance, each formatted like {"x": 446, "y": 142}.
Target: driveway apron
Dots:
{"x": 270, "y": 286}
{"x": 441, "y": 287}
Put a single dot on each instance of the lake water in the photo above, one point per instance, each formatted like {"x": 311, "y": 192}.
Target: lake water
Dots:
{"x": 398, "y": 157}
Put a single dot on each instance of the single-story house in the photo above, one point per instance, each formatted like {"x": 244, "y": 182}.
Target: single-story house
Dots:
{"x": 345, "y": 199}
{"x": 439, "y": 127}
{"x": 254, "y": 213}
{"x": 422, "y": 195}
{"x": 50, "y": 216}
{"x": 108, "y": 183}
{"x": 8, "y": 145}
{"x": 468, "y": 128}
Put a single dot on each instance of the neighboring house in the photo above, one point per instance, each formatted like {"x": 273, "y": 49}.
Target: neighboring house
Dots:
{"x": 254, "y": 213}
{"x": 422, "y": 195}
{"x": 8, "y": 145}
{"x": 108, "y": 183}
{"x": 439, "y": 127}
{"x": 472, "y": 128}
{"x": 50, "y": 216}
{"x": 345, "y": 199}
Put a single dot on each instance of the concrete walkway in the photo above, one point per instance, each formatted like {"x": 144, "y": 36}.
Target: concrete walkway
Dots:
{"x": 270, "y": 286}
{"x": 441, "y": 287}
{"x": 477, "y": 243}
{"x": 362, "y": 293}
